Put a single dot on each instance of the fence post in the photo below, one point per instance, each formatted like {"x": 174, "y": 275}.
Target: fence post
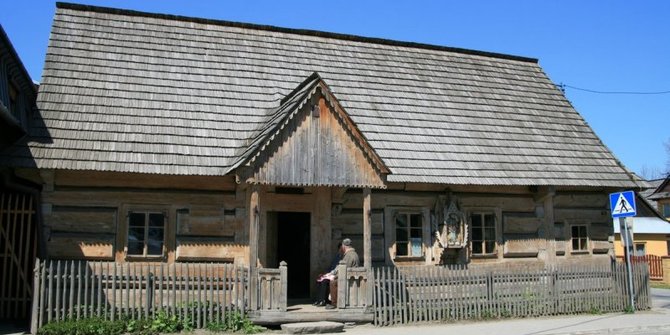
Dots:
{"x": 150, "y": 292}
{"x": 342, "y": 285}
{"x": 369, "y": 289}
{"x": 283, "y": 279}
{"x": 36, "y": 298}
{"x": 665, "y": 268}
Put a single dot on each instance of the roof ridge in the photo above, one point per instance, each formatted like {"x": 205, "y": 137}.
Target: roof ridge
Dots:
{"x": 297, "y": 31}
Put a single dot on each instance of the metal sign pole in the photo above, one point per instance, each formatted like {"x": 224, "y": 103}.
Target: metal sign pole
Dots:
{"x": 629, "y": 271}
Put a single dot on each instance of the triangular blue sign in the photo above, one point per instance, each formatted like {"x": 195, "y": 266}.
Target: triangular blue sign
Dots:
{"x": 622, "y": 204}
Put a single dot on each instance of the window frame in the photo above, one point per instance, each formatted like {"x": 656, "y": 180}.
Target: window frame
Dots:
{"x": 390, "y": 256}
{"x": 482, "y": 213}
{"x": 409, "y": 228}
{"x": 147, "y": 211}
{"x": 586, "y": 239}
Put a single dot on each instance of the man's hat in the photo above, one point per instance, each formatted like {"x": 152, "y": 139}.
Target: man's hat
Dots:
{"x": 346, "y": 242}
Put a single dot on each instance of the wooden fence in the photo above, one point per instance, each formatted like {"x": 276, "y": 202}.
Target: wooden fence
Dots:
{"x": 654, "y": 262}
{"x": 404, "y": 295}
{"x": 201, "y": 292}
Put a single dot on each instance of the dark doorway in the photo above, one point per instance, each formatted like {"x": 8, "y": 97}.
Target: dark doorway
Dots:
{"x": 293, "y": 247}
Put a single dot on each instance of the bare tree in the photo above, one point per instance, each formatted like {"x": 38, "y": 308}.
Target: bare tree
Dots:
{"x": 650, "y": 173}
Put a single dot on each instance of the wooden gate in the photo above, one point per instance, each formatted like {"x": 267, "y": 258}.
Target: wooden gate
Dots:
{"x": 18, "y": 248}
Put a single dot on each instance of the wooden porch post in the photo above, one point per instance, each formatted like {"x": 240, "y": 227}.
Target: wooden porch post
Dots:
{"x": 367, "y": 229}
{"x": 254, "y": 218}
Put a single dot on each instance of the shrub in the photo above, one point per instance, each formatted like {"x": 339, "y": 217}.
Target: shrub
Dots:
{"x": 90, "y": 326}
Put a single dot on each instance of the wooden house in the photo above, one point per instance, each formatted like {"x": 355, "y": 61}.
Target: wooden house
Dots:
{"x": 176, "y": 139}
{"x": 18, "y": 197}
{"x": 659, "y": 195}
{"x": 650, "y": 230}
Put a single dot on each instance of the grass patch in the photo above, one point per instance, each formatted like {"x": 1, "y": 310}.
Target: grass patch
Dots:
{"x": 658, "y": 284}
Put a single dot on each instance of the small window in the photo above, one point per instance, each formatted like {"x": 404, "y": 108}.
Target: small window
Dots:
{"x": 483, "y": 233}
{"x": 666, "y": 211}
{"x": 579, "y": 238}
{"x": 146, "y": 234}
{"x": 408, "y": 233}
{"x": 640, "y": 249}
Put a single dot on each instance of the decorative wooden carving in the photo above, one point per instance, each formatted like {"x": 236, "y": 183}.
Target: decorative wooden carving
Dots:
{"x": 452, "y": 230}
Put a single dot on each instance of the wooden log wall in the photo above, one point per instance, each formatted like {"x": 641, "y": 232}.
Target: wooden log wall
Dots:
{"x": 85, "y": 215}
{"x": 526, "y": 229}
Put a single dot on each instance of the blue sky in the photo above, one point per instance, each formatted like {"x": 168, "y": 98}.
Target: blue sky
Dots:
{"x": 610, "y": 46}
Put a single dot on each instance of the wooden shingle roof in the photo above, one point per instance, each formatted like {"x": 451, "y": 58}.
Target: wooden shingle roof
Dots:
{"x": 149, "y": 93}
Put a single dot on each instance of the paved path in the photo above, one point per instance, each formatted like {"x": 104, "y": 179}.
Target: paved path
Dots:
{"x": 655, "y": 321}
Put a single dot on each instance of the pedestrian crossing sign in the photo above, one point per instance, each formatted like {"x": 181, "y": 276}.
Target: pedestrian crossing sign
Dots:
{"x": 622, "y": 204}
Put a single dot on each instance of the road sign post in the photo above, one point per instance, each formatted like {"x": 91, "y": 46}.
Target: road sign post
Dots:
{"x": 622, "y": 205}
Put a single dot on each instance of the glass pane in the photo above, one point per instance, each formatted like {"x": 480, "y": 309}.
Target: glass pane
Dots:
{"x": 416, "y": 250}
{"x": 575, "y": 244}
{"x": 401, "y": 235}
{"x": 489, "y": 234}
{"x": 582, "y": 244}
{"x": 477, "y": 234}
{"x": 415, "y": 233}
{"x": 490, "y": 247}
{"x": 156, "y": 220}
{"x": 415, "y": 220}
{"x": 476, "y": 220}
{"x": 401, "y": 249}
{"x": 136, "y": 234}
{"x": 136, "y": 220}
{"x": 666, "y": 210}
{"x": 135, "y": 248}
{"x": 476, "y": 247}
{"x": 155, "y": 241}
{"x": 489, "y": 220}
{"x": 575, "y": 231}
{"x": 401, "y": 221}
{"x": 582, "y": 231}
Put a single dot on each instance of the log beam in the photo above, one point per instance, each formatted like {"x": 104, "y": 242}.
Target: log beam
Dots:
{"x": 367, "y": 229}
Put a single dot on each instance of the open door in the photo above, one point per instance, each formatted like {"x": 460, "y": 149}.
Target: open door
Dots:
{"x": 293, "y": 246}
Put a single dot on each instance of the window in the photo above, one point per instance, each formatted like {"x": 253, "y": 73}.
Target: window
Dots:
{"x": 666, "y": 210}
{"x": 579, "y": 238}
{"x": 408, "y": 233}
{"x": 483, "y": 233}
{"x": 640, "y": 249}
{"x": 146, "y": 233}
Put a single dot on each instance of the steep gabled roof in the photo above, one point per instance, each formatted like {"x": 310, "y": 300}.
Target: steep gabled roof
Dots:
{"x": 12, "y": 72}
{"x": 150, "y": 93}
{"x": 290, "y": 106}
{"x": 662, "y": 191}
{"x": 310, "y": 132}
